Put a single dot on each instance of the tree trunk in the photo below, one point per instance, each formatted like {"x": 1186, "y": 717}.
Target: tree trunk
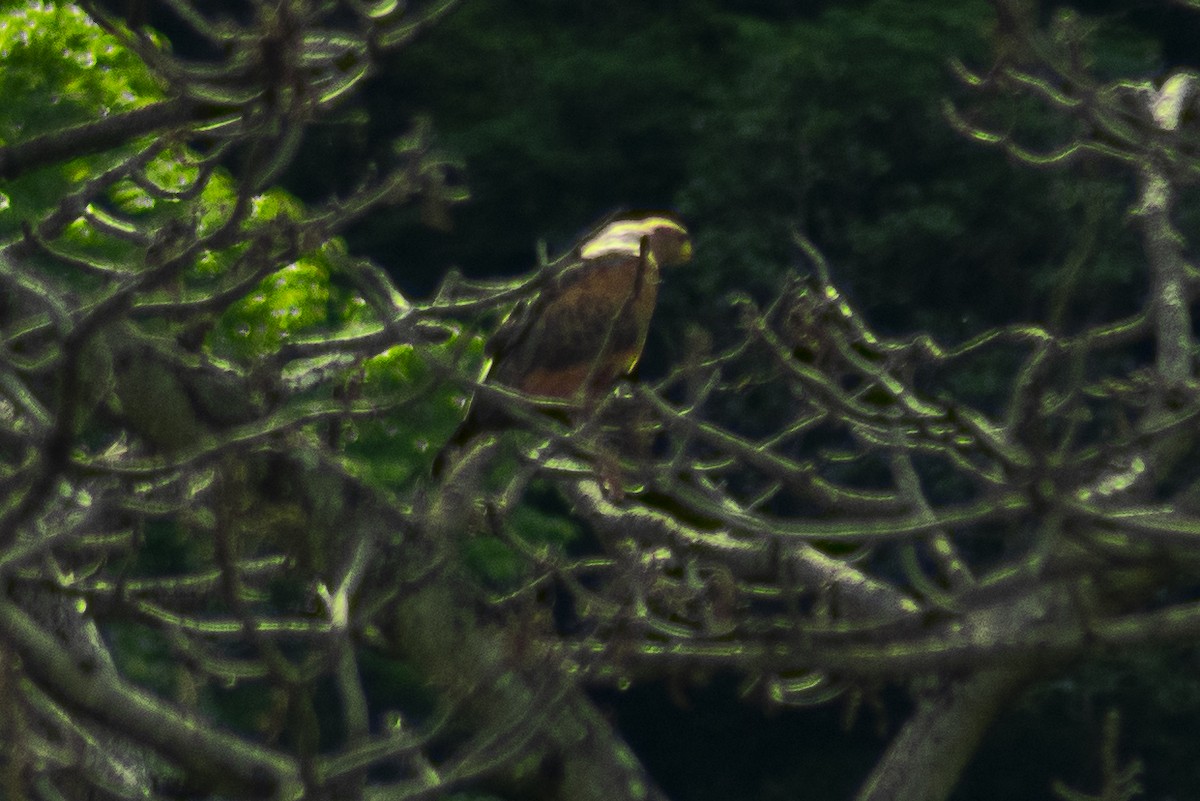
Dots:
{"x": 925, "y": 760}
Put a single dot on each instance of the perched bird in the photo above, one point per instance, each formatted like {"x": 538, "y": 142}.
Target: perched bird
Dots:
{"x": 587, "y": 325}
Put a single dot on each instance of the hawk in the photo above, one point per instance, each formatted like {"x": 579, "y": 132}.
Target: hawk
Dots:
{"x": 586, "y": 327}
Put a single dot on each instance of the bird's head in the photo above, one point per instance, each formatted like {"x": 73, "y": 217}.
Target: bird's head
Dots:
{"x": 668, "y": 240}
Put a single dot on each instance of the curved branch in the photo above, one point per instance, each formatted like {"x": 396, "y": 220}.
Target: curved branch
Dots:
{"x": 177, "y": 733}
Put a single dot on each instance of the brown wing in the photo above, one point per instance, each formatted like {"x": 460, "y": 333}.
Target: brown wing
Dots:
{"x": 584, "y": 332}
{"x": 587, "y": 326}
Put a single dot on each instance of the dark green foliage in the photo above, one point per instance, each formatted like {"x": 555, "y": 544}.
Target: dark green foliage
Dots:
{"x": 399, "y": 446}
{"x": 835, "y": 127}
{"x": 754, "y": 125}
{"x": 167, "y": 547}
{"x": 1060, "y": 726}
{"x": 539, "y": 525}
{"x": 144, "y": 655}
{"x": 556, "y": 123}
{"x": 392, "y": 684}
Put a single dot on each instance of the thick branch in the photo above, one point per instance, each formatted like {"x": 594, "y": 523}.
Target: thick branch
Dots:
{"x": 175, "y": 732}
{"x": 93, "y": 137}
{"x": 1164, "y": 244}
{"x": 924, "y": 761}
